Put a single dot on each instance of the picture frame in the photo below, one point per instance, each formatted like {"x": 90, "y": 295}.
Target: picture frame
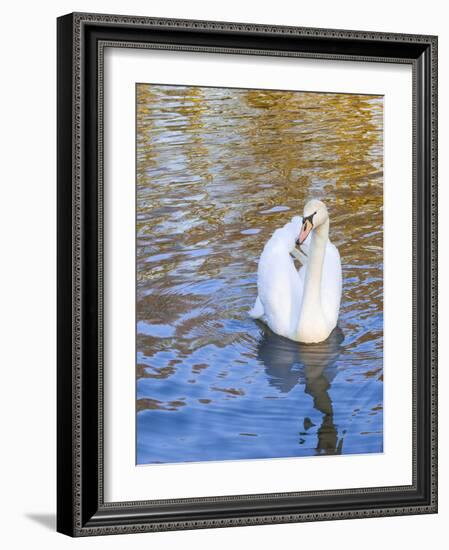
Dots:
{"x": 81, "y": 506}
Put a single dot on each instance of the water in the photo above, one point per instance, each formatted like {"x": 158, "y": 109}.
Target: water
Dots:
{"x": 217, "y": 171}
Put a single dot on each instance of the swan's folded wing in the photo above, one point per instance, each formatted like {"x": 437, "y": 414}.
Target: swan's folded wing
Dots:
{"x": 279, "y": 290}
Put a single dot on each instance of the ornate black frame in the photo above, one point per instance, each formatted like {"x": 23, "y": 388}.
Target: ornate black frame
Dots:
{"x": 81, "y": 507}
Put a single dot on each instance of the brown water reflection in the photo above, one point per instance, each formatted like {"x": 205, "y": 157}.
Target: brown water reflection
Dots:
{"x": 217, "y": 171}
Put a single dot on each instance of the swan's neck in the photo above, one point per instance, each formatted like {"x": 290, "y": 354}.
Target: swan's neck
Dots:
{"x": 311, "y": 299}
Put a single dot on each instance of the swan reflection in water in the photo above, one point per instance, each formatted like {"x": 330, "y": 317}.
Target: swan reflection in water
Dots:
{"x": 288, "y": 363}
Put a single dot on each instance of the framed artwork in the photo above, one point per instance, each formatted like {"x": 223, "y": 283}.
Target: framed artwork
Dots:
{"x": 246, "y": 274}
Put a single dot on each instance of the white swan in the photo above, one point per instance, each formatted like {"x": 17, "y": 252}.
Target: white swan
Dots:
{"x": 300, "y": 305}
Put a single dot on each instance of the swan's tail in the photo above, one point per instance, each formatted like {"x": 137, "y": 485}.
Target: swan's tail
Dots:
{"x": 257, "y": 311}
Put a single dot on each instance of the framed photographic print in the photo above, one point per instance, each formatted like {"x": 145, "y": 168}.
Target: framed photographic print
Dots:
{"x": 247, "y": 288}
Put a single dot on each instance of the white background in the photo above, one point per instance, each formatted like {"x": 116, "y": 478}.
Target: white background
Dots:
{"x": 123, "y": 481}
{"x": 27, "y": 298}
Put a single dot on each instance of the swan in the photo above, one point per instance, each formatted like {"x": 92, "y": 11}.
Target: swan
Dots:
{"x": 300, "y": 305}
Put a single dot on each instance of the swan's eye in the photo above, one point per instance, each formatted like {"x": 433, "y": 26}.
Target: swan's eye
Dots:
{"x": 309, "y": 219}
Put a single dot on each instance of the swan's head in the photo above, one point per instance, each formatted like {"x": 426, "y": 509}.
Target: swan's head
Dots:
{"x": 315, "y": 214}
{"x": 285, "y": 237}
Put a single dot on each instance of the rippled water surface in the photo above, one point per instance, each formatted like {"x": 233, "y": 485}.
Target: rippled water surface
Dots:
{"x": 217, "y": 171}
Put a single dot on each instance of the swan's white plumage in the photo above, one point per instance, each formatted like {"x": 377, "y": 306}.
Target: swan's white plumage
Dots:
{"x": 281, "y": 288}
{"x": 278, "y": 280}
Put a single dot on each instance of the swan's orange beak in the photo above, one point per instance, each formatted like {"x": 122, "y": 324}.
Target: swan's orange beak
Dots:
{"x": 306, "y": 228}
